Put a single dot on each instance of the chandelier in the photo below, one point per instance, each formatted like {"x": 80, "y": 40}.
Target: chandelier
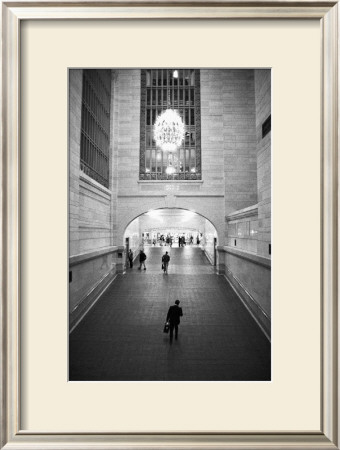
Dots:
{"x": 169, "y": 130}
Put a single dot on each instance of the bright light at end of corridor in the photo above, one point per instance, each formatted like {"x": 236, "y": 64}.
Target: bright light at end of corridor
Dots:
{"x": 153, "y": 213}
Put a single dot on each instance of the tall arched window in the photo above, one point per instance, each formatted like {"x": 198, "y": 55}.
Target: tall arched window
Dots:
{"x": 177, "y": 89}
{"x": 95, "y": 125}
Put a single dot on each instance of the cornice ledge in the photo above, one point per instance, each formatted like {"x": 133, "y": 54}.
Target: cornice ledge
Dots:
{"x": 250, "y": 211}
{"x": 77, "y": 259}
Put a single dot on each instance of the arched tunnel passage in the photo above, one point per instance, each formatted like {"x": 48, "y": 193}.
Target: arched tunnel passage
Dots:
{"x": 172, "y": 228}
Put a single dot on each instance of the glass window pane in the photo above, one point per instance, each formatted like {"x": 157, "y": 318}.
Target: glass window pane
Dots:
{"x": 186, "y": 77}
{"x": 181, "y": 96}
{"x": 192, "y": 77}
{"x": 179, "y": 93}
{"x": 153, "y": 77}
{"x": 186, "y": 121}
{"x": 187, "y": 161}
{"x": 181, "y": 163}
{"x": 175, "y": 78}
{"x": 147, "y": 160}
{"x": 148, "y": 137}
{"x": 192, "y": 116}
{"x": 176, "y": 98}
{"x": 193, "y": 160}
{"x": 180, "y": 76}
{"x": 95, "y": 124}
{"x": 153, "y": 161}
{"x": 159, "y": 161}
{"x": 186, "y": 93}
{"x": 192, "y": 97}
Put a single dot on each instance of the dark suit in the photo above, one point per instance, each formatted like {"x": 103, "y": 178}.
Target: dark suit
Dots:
{"x": 173, "y": 317}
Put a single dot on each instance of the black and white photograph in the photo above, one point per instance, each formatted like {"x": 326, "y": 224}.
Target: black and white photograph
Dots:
{"x": 169, "y": 213}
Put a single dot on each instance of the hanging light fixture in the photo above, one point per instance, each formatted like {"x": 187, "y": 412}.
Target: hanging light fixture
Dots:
{"x": 168, "y": 129}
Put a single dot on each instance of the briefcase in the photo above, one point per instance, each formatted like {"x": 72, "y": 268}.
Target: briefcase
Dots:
{"x": 166, "y": 327}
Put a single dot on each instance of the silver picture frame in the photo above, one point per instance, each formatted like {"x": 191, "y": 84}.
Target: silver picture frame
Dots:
{"x": 14, "y": 13}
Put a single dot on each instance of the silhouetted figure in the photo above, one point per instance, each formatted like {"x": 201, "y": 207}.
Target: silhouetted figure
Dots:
{"x": 130, "y": 256}
{"x": 165, "y": 261}
{"x": 173, "y": 317}
{"x": 179, "y": 241}
{"x": 142, "y": 258}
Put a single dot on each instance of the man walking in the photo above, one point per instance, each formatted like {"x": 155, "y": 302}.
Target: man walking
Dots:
{"x": 173, "y": 317}
{"x": 130, "y": 256}
{"x": 165, "y": 261}
{"x": 142, "y": 258}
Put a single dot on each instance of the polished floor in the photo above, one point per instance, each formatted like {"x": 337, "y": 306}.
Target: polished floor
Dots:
{"x": 122, "y": 339}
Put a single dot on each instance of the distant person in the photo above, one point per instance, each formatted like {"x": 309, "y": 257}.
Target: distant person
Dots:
{"x": 173, "y": 317}
{"x": 165, "y": 261}
{"x": 130, "y": 256}
{"x": 198, "y": 240}
{"x": 191, "y": 239}
{"x": 142, "y": 258}
{"x": 179, "y": 241}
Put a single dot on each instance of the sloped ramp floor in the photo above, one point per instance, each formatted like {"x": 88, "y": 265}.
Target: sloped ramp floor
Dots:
{"x": 122, "y": 339}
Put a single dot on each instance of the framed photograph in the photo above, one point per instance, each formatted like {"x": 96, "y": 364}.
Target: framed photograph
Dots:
{"x": 203, "y": 136}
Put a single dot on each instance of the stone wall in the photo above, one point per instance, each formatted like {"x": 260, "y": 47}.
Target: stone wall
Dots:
{"x": 243, "y": 229}
{"x": 250, "y": 275}
{"x": 89, "y": 275}
{"x": 228, "y": 114}
{"x": 245, "y": 260}
{"x": 91, "y": 212}
{"x": 133, "y": 232}
{"x": 92, "y": 218}
{"x": 208, "y": 241}
{"x": 228, "y": 151}
{"x": 75, "y": 102}
{"x": 263, "y": 110}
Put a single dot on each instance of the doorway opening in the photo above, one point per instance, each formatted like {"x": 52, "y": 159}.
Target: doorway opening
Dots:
{"x": 173, "y": 227}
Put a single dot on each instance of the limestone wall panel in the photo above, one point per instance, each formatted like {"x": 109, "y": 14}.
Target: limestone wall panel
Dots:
{"x": 263, "y": 110}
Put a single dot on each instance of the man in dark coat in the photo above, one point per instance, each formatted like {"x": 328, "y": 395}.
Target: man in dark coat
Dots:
{"x": 165, "y": 262}
{"x": 130, "y": 256}
{"x": 173, "y": 317}
{"x": 142, "y": 258}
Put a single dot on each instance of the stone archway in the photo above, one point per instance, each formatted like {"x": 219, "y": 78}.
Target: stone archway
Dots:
{"x": 146, "y": 228}
{"x": 213, "y": 211}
